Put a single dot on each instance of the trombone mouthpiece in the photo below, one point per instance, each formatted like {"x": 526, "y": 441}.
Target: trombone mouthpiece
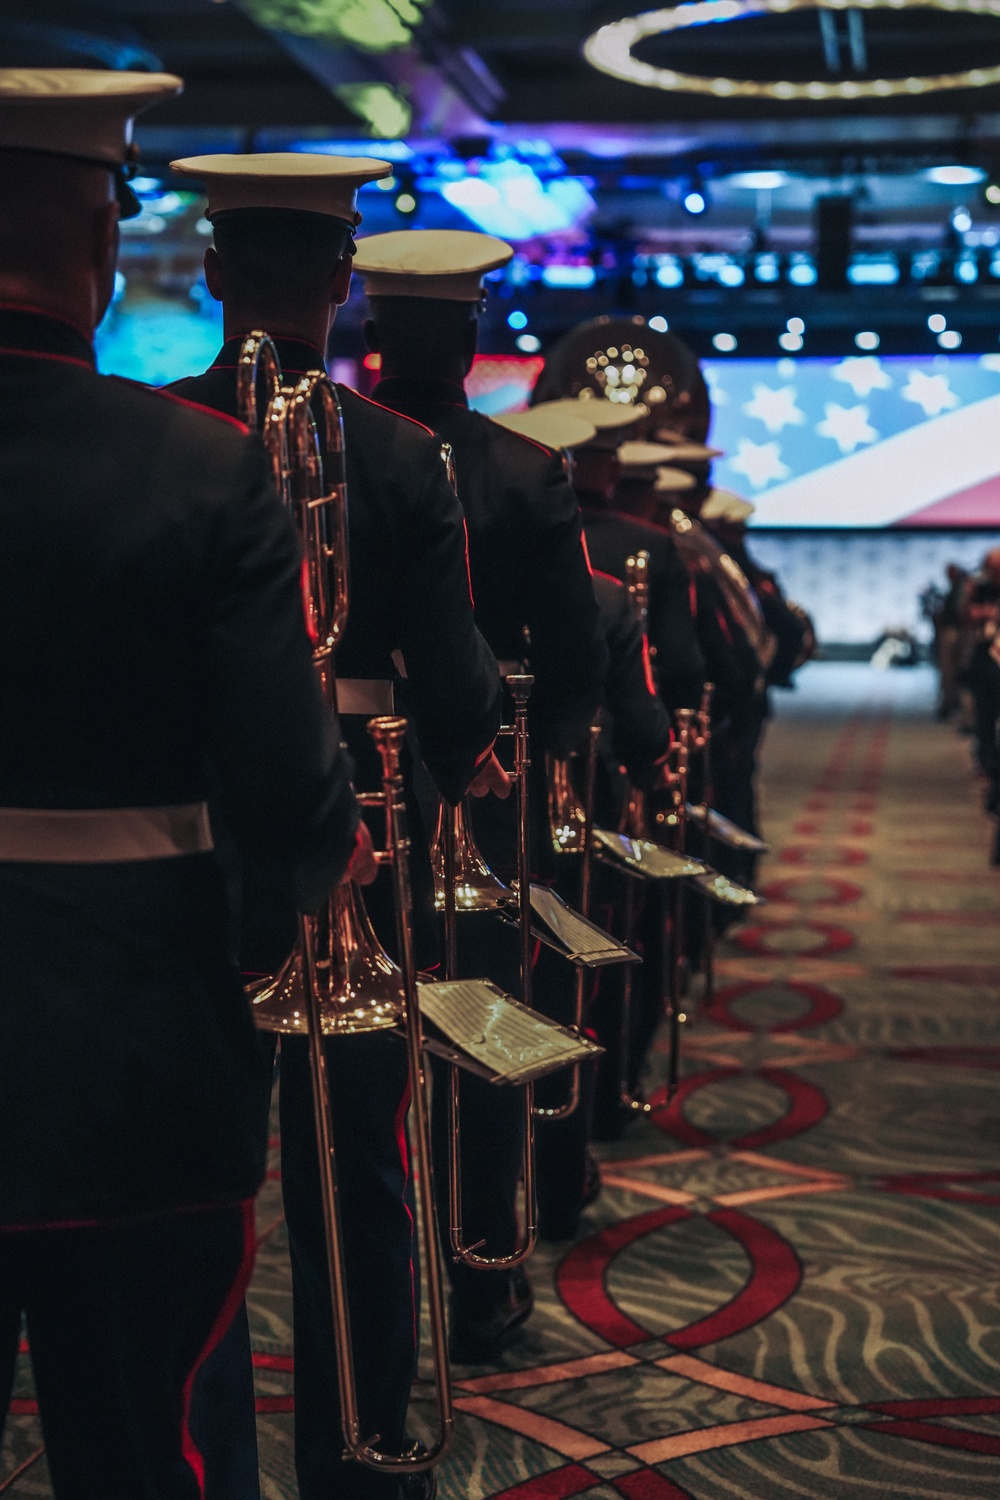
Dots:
{"x": 520, "y": 685}
{"x": 388, "y": 733}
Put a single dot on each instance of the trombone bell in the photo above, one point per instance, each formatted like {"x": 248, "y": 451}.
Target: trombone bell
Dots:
{"x": 476, "y": 886}
{"x": 360, "y": 988}
{"x": 567, "y": 818}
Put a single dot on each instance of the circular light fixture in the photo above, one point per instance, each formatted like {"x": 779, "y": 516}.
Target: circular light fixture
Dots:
{"x": 962, "y": 220}
{"x": 790, "y": 342}
{"x": 795, "y": 325}
{"x": 950, "y": 339}
{"x": 517, "y": 319}
{"x": 955, "y": 176}
{"x": 937, "y": 322}
{"x": 406, "y": 203}
{"x": 528, "y": 343}
{"x": 611, "y": 49}
{"x": 694, "y": 201}
{"x": 991, "y": 192}
{"x": 867, "y": 341}
{"x": 724, "y": 342}
{"x": 659, "y": 325}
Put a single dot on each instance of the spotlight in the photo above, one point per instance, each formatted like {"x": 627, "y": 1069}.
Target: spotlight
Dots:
{"x": 867, "y": 340}
{"x": 991, "y": 192}
{"x": 405, "y": 203}
{"x": 950, "y": 339}
{"x": 790, "y": 342}
{"x": 724, "y": 342}
{"x": 517, "y": 319}
{"x": 795, "y": 325}
{"x": 694, "y": 198}
{"x": 955, "y": 176}
{"x": 386, "y": 184}
{"x": 659, "y": 325}
{"x": 528, "y": 343}
{"x": 961, "y": 219}
{"x": 937, "y": 322}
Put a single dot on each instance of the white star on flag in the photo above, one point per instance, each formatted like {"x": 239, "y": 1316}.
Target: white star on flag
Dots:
{"x": 717, "y": 395}
{"x": 863, "y": 375}
{"x": 930, "y": 392}
{"x": 761, "y": 463}
{"x": 775, "y": 408}
{"x": 848, "y": 426}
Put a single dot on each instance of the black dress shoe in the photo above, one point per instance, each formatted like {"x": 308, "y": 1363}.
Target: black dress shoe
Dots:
{"x": 478, "y": 1336}
{"x": 418, "y": 1486}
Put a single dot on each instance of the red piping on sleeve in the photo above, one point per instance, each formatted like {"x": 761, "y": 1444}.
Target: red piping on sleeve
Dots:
{"x": 586, "y": 553}
{"x": 647, "y": 667}
{"x": 484, "y": 755}
{"x": 399, "y": 1126}
{"x": 226, "y": 1314}
{"x": 724, "y": 626}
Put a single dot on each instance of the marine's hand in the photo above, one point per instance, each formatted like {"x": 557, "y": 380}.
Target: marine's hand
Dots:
{"x": 490, "y": 779}
{"x": 363, "y": 866}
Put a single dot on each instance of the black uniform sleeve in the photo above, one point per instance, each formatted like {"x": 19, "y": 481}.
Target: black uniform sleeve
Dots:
{"x": 454, "y": 689}
{"x": 568, "y": 653}
{"x": 640, "y": 725}
{"x": 283, "y": 782}
{"x": 673, "y": 634}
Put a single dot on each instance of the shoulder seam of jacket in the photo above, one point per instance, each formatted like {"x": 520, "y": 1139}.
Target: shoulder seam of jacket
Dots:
{"x": 378, "y": 404}
{"x": 169, "y": 395}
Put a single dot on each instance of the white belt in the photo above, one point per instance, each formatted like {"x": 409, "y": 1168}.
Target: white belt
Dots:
{"x": 102, "y": 835}
{"x": 365, "y": 695}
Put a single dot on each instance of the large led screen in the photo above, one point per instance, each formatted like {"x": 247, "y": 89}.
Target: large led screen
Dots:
{"x": 860, "y": 442}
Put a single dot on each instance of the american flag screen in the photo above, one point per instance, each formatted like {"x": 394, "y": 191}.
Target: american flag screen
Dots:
{"x": 860, "y": 442}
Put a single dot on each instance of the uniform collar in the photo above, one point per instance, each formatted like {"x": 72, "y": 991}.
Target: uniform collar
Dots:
{"x": 296, "y": 356}
{"x": 422, "y": 390}
{"x": 32, "y": 330}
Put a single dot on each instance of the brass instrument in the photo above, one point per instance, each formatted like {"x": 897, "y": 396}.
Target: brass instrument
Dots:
{"x": 464, "y": 881}
{"x": 572, "y": 829}
{"x": 339, "y": 980}
{"x": 701, "y": 553}
{"x": 637, "y": 583}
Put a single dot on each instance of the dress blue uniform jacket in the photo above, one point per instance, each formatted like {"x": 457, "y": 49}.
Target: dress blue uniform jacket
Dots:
{"x": 529, "y": 566}
{"x": 152, "y": 646}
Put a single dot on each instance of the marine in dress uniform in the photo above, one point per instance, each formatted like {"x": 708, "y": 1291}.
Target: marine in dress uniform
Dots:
{"x": 283, "y": 228}
{"x": 534, "y": 595}
{"x": 152, "y": 645}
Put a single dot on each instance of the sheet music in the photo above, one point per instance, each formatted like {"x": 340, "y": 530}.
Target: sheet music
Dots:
{"x": 720, "y": 888}
{"x": 582, "y": 938}
{"x": 724, "y": 830}
{"x": 647, "y": 858}
{"x": 513, "y": 1043}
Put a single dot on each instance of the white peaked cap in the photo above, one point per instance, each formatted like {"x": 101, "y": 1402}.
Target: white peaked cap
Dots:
{"x": 648, "y": 455}
{"x": 682, "y": 450}
{"x": 555, "y": 429}
{"x": 598, "y": 412}
{"x": 448, "y": 264}
{"x": 85, "y": 113}
{"x": 299, "y": 181}
{"x": 724, "y": 505}
{"x": 668, "y": 479}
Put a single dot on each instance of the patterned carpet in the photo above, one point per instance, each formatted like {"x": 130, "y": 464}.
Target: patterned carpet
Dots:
{"x": 789, "y": 1285}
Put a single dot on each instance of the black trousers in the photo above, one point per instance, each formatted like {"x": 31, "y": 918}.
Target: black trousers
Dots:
{"x": 369, "y": 1097}
{"x": 118, "y": 1321}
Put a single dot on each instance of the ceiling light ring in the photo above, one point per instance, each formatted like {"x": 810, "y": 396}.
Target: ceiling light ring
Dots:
{"x": 610, "y": 49}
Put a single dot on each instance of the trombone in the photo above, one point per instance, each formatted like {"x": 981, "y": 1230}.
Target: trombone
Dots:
{"x": 339, "y": 981}
{"x": 464, "y": 881}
